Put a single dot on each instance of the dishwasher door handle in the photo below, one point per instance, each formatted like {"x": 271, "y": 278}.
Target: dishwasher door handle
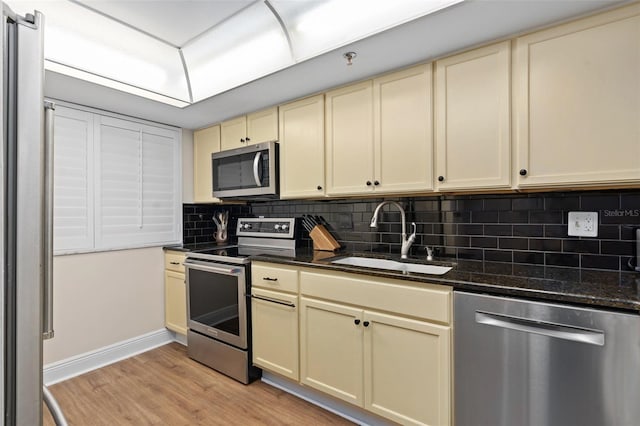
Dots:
{"x": 558, "y": 331}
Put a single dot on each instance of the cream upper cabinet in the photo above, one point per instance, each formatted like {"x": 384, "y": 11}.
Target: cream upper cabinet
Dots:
{"x": 379, "y": 135}
{"x": 260, "y": 126}
{"x": 205, "y": 142}
{"x": 302, "y": 148}
{"x": 403, "y": 142}
{"x": 349, "y": 139}
{"x": 472, "y": 119}
{"x": 577, "y": 102}
{"x": 175, "y": 293}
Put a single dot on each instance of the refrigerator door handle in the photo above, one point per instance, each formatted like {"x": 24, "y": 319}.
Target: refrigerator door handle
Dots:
{"x": 54, "y": 408}
{"x": 47, "y": 229}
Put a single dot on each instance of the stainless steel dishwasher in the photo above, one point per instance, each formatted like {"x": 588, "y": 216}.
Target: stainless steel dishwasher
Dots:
{"x": 525, "y": 363}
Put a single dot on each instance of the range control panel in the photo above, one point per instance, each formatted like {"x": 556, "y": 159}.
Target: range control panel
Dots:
{"x": 266, "y": 227}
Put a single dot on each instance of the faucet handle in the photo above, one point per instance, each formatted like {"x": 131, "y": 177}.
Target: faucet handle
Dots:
{"x": 413, "y": 226}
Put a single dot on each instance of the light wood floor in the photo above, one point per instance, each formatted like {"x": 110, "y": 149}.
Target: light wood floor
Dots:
{"x": 165, "y": 387}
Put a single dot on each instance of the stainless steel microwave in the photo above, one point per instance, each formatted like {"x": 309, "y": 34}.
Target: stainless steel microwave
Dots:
{"x": 247, "y": 172}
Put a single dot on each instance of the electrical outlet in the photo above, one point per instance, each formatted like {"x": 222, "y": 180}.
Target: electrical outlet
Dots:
{"x": 583, "y": 224}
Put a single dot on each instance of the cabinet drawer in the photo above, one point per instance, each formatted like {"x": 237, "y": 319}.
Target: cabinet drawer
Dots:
{"x": 174, "y": 261}
{"x": 427, "y": 301}
{"x": 274, "y": 277}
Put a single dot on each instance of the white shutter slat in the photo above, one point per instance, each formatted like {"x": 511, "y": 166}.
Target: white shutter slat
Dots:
{"x": 73, "y": 192}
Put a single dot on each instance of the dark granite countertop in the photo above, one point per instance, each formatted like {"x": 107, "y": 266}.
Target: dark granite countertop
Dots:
{"x": 608, "y": 292}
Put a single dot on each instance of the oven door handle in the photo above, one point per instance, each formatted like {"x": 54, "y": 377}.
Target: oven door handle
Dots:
{"x": 208, "y": 267}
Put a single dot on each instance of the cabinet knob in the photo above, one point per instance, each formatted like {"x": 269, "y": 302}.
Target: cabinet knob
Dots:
{"x": 356, "y": 322}
{"x": 319, "y": 188}
{"x": 366, "y": 323}
{"x": 241, "y": 140}
{"x": 368, "y": 183}
{"x": 523, "y": 172}
{"x": 440, "y": 178}
{"x": 376, "y": 183}
{"x": 248, "y": 139}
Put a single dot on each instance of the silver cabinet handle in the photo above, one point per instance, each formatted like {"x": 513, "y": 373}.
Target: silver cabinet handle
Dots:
{"x": 47, "y": 315}
{"x": 559, "y": 331}
{"x": 256, "y": 168}
{"x": 268, "y": 299}
{"x": 174, "y": 263}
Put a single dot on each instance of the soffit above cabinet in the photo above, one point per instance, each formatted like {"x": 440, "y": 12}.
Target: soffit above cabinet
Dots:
{"x": 191, "y": 63}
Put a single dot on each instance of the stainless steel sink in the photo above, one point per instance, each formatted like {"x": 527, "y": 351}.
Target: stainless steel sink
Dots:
{"x": 392, "y": 265}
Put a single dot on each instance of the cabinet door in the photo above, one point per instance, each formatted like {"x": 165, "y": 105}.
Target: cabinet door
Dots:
{"x": 349, "y": 139}
{"x": 407, "y": 369}
{"x": 205, "y": 142}
{"x": 473, "y": 119}
{"x": 403, "y": 131}
{"x": 262, "y": 126}
{"x": 577, "y": 102}
{"x": 302, "y": 148}
{"x": 331, "y": 349}
{"x": 175, "y": 302}
{"x": 233, "y": 133}
{"x": 275, "y": 331}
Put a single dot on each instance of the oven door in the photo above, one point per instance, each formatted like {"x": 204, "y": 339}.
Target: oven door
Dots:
{"x": 216, "y": 301}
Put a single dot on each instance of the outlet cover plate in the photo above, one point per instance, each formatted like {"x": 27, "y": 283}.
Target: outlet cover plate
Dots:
{"x": 583, "y": 224}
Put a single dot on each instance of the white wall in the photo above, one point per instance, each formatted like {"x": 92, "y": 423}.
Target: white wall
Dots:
{"x": 187, "y": 166}
{"x": 105, "y": 298}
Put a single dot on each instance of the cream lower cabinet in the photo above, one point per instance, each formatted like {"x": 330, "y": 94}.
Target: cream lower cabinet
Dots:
{"x": 274, "y": 318}
{"x": 577, "y": 102}
{"x": 396, "y": 366}
{"x": 175, "y": 293}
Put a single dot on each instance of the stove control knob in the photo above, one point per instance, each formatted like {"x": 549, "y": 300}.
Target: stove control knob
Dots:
{"x": 284, "y": 227}
{"x": 246, "y": 226}
{"x": 276, "y": 227}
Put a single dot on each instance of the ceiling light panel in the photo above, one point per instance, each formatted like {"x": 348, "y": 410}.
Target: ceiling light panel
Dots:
{"x": 84, "y": 40}
{"x": 317, "y": 26}
{"x": 243, "y": 48}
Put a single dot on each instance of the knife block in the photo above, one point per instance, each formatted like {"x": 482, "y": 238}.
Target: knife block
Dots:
{"x": 322, "y": 239}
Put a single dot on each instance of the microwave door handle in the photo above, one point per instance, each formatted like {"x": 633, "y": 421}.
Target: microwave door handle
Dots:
{"x": 257, "y": 168}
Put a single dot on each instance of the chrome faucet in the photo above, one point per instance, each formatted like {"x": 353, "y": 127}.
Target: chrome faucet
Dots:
{"x": 406, "y": 242}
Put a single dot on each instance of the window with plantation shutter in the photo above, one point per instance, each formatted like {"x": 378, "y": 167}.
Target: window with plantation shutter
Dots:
{"x": 135, "y": 196}
{"x": 132, "y": 171}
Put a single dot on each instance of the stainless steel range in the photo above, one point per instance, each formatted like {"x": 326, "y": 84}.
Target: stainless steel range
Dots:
{"x": 218, "y": 291}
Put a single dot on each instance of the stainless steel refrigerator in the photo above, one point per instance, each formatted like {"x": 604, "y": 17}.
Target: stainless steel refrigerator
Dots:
{"x": 25, "y": 221}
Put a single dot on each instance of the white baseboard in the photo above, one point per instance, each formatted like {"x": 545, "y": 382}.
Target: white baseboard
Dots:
{"x": 342, "y": 409}
{"x": 83, "y": 363}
